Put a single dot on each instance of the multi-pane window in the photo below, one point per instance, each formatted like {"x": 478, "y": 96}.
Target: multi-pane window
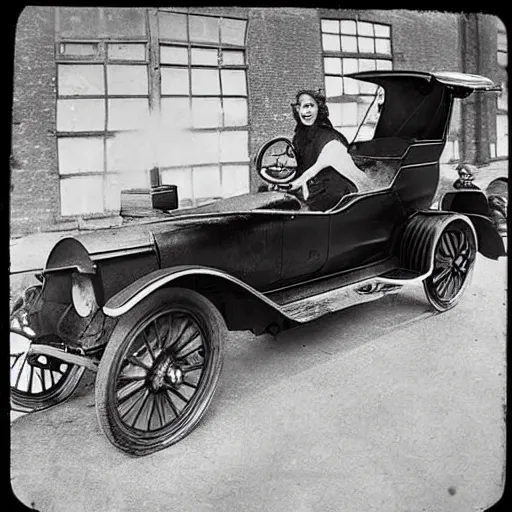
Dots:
{"x": 132, "y": 94}
{"x": 350, "y": 46}
{"x": 502, "y": 100}
{"x": 102, "y": 94}
{"x": 203, "y": 88}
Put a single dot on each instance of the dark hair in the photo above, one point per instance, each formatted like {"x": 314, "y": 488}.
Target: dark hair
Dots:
{"x": 320, "y": 100}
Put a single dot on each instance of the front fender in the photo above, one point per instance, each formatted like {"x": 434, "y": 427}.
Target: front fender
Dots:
{"x": 243, "y": 307}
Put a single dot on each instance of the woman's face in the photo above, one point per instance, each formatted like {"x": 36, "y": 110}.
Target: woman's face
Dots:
{"x": 307, "y": 109}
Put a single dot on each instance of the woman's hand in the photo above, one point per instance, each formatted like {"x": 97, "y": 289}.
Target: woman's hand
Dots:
{"x": 300, "y": 183}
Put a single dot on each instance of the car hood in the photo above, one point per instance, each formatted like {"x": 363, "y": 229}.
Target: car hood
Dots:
{"x": 83, "y": 249}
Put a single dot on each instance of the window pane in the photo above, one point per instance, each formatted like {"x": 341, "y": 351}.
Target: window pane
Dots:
{"x": 233, "y": 146}
{"x": 206, "y": 112}
{"x": 80, "y": 79}
{"x": 173, "y": 55}
{"x": 79, "y": 49}
{"x": 366, "y": 45}
{"x": 204, "y": 29}
{"x": 350, "y": 66}
{"x": 349, "y": 114}
{"x": 172, "y": 26}
{"x": 383, "y": 46}
{"x": 335, "y": 113}
{"x": 204, "y": 57}
{"x": 331, "y": 26}
{"x": 384, "y": 64}
{"x": 502, "y": 59}
{"x": 348, "y": 44}
{"x": 382, "y": 30}
{"x": 502, "y": 100}
{"x": 333, "y": 86}
{"x": 79, "y": 22}
{"x": 127, "y": 51}
{"x": 126, "y": 79}
{"x": 205, "y": 81}
{"x": 80, "y": 195}
{"x": 350, "y": 86}
{"x": 175, "y": 111}
{"x": 347, "y": 26}
{"x": 204, "y": 148}
{"x": 368, "y": 88}
{"x": 233, "y": 82}
{"x": 80, "y": 154}
{"x": 331, "y": 43}
{"x": 233, "y": 31}
{"x": 235, "y": 180}
{"x": 235, "y": 112}
{"x": 332, "y": 65}
{"x": 502, "y": 41}
{"x": 182, "y": 178}
{"x": 128, "y": 113}
{"x": 366, "y": 65}
{"x": 233, "y": 58}
{"x": 349, "y": 132}
{"x": 125, "y": 22}
{"x": 206, "y": 182}
{"x": 112, "y": 193}
{"x": 174, "y": 81}
{"x": 364, "y": 28}
{"x": 80, "y": 115}
{"x": 130, "y": 152}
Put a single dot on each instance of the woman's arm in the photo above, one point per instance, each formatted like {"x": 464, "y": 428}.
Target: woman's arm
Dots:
{"x": 335, "y": 155}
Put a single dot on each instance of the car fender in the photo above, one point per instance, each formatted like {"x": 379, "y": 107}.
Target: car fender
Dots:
{"x": 242, "y": 306}
{"x": 474, "y": 204}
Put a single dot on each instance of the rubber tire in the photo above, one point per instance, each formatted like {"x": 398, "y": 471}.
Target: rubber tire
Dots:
{"x": 428, "y": 283}
{"x": 214, "y": 328}
{"x": 66, "y": 387}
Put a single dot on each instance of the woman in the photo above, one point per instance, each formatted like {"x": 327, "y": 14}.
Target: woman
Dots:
{"x": 325, "y": 169}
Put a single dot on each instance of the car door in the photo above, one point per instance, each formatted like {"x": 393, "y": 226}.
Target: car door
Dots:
{"x": 305, "y": 245}
{"x": 361, "y": 232}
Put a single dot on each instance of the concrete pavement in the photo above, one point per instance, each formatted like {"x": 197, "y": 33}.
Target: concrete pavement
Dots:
{"x": 384, "y": 407}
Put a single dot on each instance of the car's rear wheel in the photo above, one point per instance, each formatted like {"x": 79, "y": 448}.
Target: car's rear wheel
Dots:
{"x": 454, "y": 259}
{"x": 159, "y": 370}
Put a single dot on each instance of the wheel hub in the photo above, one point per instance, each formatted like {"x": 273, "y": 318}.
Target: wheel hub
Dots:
{"x": 163, "y": 369}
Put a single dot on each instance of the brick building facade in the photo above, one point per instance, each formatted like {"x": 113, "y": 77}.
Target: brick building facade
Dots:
{"x": 103, "y": 94}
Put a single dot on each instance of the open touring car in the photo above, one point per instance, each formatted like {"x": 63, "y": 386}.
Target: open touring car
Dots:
{"x": 149, "y": 312}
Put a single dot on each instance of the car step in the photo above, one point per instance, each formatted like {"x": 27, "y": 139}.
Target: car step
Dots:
{"x": 309, "y": 308}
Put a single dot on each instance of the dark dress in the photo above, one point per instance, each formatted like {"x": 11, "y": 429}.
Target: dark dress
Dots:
{"x": 328, "y": 186}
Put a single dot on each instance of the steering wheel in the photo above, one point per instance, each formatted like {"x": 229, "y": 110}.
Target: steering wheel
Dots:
{"x": 276, "y": 163}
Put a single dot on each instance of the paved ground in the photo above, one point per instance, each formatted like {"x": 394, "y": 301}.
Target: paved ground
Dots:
{"x": 382, "y": 407}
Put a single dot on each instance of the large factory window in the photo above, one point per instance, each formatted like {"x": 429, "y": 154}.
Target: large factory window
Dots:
{"x": 350, "y": 46}
{"x": 203, "y": 105}
{"x": 133, "y": 94}
{"x": 502, "y": 100}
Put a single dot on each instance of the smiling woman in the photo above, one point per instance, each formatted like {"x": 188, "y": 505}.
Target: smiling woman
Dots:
{"x": 326, "y": 171}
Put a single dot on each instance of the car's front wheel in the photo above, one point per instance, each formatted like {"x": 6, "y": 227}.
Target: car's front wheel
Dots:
{"x": 159, "y": 370}
{"x": 454, "y": 259}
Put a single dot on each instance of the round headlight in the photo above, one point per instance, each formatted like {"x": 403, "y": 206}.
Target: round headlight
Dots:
{"x": 82, "y": 292}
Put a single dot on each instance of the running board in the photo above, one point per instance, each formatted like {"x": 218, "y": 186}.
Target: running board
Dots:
{"x": 313, "y": 307}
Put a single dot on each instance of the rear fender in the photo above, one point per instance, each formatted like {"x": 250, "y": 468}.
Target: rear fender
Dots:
{"x": 465, "y": 201}
{"x": 475, "y": 205}
{"x": 243, "y": 307}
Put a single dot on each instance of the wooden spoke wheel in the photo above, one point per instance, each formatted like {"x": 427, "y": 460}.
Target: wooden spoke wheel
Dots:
{"x": 37, "y": 381}
{"x": 159, "y": 370}
{"x": 454, "y": 258}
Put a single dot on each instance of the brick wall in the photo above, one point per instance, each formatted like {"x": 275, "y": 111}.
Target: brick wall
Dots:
{"x": 34, "y": 173}
{"x": 284, "y": 55}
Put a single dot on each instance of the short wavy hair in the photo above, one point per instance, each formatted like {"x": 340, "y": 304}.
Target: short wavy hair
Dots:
{"x": 320, "y": 100}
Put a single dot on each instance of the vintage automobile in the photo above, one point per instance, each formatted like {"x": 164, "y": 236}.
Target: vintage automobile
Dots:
{"x": 149, "y": 309}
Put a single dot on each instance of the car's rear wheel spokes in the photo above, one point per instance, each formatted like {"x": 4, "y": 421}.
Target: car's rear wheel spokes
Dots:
{"x": 453, "y": 261}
